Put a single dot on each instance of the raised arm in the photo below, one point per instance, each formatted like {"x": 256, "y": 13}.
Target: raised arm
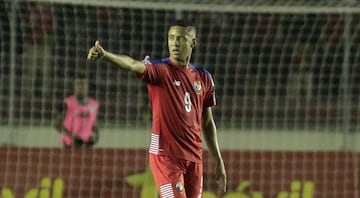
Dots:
{"x": 210, "y": 135}
{"x": 121, "y": 61}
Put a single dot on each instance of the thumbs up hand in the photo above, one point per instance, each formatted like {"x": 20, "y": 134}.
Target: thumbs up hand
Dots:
{"x": 96, "y": 52}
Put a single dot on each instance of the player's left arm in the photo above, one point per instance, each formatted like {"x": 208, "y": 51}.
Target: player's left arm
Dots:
{"x": 95, "y": 134}
{"x": 94, "y": 137}
{"x": 210, "y": 134}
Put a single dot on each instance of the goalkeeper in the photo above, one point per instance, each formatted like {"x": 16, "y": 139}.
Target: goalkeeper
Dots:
{"x": 181, "y": 96}
{"x": 77, "y": 122}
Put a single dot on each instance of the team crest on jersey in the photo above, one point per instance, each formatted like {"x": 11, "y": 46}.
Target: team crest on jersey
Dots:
{"x": 84, "y": 114}
{"x": 179, "y": 186}
{"x": 197, "y": 86}
{"x": 92, "y": 108}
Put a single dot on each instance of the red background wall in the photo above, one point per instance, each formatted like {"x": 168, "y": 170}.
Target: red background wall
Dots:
{"x": 101, "y": 172}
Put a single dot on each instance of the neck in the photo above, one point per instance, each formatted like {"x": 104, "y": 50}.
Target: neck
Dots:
{"x": 81, "y": 99}
{"x": 182, "y": 63}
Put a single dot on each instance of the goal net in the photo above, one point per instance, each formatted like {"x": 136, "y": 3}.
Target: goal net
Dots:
{"x": 287, "y": 85}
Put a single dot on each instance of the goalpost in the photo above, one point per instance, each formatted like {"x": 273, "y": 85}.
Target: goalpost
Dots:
{"x": 286, "y": 77}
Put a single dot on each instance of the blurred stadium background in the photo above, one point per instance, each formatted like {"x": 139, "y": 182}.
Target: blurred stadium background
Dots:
{"x": 287, "y": 80}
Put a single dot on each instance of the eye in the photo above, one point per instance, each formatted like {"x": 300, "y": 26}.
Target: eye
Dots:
{"x": 171, "y": 37}
{"x": 182, "y": 38}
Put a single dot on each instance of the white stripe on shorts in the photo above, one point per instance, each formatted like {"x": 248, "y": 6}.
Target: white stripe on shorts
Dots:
{"x": 166, "y": 191}
{"x": 154, "y": 144}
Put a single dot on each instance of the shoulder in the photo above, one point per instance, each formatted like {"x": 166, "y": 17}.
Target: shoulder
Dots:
{"x": 203, "y": 72}
{"x": 157, "y": 67}
{"x": 157, "y": 62}
{"x": 69, "y": 99}
{"x": 94, "y": 101}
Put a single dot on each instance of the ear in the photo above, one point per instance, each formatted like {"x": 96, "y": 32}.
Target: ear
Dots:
{"x": 194, "y": 43}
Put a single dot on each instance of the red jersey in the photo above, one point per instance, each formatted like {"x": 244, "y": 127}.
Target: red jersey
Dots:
{"x": 178, "y": 97}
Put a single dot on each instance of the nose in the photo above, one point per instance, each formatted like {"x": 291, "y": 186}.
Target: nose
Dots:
{"x": 176, "y": 42}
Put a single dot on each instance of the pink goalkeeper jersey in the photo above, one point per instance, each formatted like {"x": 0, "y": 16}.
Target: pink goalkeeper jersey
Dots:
{"x": 178, "y": 97}
{"x": 79, "y": 118}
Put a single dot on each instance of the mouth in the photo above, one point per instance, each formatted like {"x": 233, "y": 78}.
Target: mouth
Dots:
{"x": 175, "y": 51}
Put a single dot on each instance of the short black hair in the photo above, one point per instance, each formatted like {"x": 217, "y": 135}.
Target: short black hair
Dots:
{"x": 184, "y": 23}
{"x": 181, "y": 22}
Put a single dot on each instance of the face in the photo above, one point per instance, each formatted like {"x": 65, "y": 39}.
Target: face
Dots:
{"x": 180, "y": 42}
{"x": 81, "y": 88}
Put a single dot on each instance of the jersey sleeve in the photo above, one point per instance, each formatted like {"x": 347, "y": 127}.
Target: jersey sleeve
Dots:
{"x": 154, "y": 72}
{"x": 210, "y": 99}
